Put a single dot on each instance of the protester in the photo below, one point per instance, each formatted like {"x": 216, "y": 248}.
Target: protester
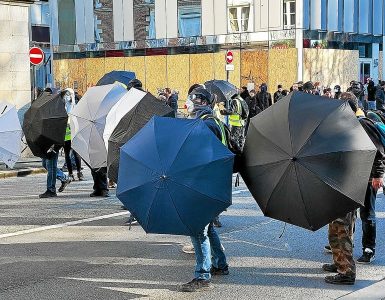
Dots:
{"x": 278, "y": 95}
{"x": 69, "y": 100}
{"x": 371, "y": 96}
{"x": 209, "y": 255}
{"x": 172, "y": 100}
{"x": 264, "y": 98}
{"x": 308, "y": 87}
{"x": 294, "y": 88}
{"x": 244, "y": 93}
{"x": 380, "y": 96}
{"x": 327, "y": 93}
{"x": 337, "y": 91}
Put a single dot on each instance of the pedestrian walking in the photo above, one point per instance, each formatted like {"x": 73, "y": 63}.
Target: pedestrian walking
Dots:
{"x": 209, "y": 255}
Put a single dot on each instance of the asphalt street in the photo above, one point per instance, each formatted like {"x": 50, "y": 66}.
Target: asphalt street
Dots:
{"x": 77, "y": 247}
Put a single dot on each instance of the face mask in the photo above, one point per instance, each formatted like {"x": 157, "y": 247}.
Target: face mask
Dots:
{"x": 67, "y": 98}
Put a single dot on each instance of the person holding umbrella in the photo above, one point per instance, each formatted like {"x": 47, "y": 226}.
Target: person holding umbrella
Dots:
{"x": 341, "y": 230}
{"x": 209, "y": 254}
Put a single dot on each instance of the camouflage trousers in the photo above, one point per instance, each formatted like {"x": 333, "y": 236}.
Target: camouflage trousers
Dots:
{"x": 341, "y": 242}
{"x": 238, "y": 134}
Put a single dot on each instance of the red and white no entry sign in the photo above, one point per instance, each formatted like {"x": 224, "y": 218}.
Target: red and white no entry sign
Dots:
{"x": 36, "y": 56}
{"x": 229, "y": 57}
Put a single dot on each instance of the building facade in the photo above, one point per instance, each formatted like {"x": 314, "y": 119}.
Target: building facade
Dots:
{"x": 176, "y": 43}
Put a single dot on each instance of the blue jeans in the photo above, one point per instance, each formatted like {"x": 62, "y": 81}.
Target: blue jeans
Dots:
{"x": 53, "y": 172}
{"x": 206, "y": 245}
{"x": 372, "y": 105}
{"x": 368, "y": 219}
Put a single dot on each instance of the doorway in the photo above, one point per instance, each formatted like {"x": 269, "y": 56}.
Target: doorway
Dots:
{"x": 365, "y": 70}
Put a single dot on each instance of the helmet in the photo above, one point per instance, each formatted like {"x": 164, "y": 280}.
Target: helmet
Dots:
{"x": 202, "y": 94}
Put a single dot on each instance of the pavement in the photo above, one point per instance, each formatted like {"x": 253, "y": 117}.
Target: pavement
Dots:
{"x": 24, "y": 167}
{"x": 77, "y": 247}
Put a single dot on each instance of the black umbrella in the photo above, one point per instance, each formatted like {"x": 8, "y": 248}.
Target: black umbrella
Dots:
{"x": 116, "y": 76}
{"x": 45, "y": 123}
{"x": 222, "y": 89}
{"x": 307, "y": 160}
{"x": 129, "y": 125}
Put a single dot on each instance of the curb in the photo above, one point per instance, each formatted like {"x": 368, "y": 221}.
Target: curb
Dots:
{"x": 21, "y": 173}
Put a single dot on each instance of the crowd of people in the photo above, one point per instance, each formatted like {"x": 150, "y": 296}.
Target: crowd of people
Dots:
{"x": 367, "y": 102}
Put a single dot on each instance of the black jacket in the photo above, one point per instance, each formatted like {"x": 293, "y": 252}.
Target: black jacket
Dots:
{"x": 378, "y": 168}
{"x": 264, "y": 100}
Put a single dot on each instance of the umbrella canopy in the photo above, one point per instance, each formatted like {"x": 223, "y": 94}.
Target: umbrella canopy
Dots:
{"x": 116, "y": 76}
{"x": 175, "y": 187}
{"x": 224, "y": 90}
{"x": 307, "y": 161}
{"x": 10, "y": 134}
{"x": 45, "y": 123}
{"x": 146, "y": 107}
{"x": 88, "y": 120}
{"x": 117, "y": 112}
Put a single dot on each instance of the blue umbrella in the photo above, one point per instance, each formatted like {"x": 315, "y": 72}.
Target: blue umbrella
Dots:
{"x": 116, "y": 76}
{"x": 175, "y": 176}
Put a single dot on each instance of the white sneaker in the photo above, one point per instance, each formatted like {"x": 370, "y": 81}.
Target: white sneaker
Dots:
{"x": 189, "y": 249}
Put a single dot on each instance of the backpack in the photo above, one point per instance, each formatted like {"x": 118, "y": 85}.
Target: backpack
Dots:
{"x": 245, "y": 108}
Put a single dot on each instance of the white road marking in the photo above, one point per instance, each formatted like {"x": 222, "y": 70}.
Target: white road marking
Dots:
{"x": 49, "y": 227}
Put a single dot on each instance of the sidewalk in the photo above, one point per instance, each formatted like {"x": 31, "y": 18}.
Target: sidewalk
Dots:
{"x": 24, "y": 167}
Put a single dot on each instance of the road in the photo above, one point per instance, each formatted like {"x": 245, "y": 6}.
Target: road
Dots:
{"x": 77, "y": 247}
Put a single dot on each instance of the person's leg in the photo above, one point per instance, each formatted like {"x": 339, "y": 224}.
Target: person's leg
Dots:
{"x": 67, "y": 150}
{"x": 100, "y": 182}
{"x": 51, "y": 166}
{"x": 218, "y": 256}
{"x": 368, "y": 219}
{"x": 201, "y": 245}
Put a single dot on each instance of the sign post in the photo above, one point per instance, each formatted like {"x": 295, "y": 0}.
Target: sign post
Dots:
{"x": 36, "y": 57}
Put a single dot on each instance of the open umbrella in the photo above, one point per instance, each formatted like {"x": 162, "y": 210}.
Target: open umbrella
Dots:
{"x": 88, "y": 120}
{"x": 307, "y": 160}
{"x": 146, "y": 107}
{"x": 119, "y": 110}
{"x": 10, "y": 134}
{"x": 45, "y": 123}
{"x": 116, "y": 76}
{"x": 224, "y": 90}
{"x": 175, "y": 176}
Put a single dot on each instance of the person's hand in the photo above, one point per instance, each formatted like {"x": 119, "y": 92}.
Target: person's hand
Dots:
{"x": 377, "y": 183}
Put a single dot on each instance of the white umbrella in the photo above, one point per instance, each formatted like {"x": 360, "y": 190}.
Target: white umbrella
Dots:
{"x": 120, "y": 109}
{"x": 88, "y": 119}
{"x": 10, "y": 134}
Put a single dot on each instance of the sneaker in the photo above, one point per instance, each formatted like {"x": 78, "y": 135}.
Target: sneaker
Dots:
{"x": 332, "y": 268}
{"x": 341, "y": 279}
{"x": 64, "y": 184}
{"x": 189, "y": 249}
{"x": 328, "y": 249}
{"x": 196, "y": 285}
{"x": 367, "y": 257}
{"x": 48, "y": 194}
{"x": 217, "y": 271}
{"x": 95, "y": 194}
{"x": 131, "y": 221}
{"x": 105, "y": 194}
{"x": 217, "y": 223}
{"x": 80, "y": 176}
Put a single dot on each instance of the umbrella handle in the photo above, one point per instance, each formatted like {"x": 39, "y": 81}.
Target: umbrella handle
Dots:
{"x": 4, "y": 109}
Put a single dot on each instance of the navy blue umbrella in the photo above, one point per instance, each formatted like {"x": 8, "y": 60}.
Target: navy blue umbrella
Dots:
{"x": 175, "y": 176}
{"x": 116, "y": 76}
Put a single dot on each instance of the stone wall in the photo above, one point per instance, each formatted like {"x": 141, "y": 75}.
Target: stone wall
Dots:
{"x": 15, "y": 81}
{"x": 331, "y": 67}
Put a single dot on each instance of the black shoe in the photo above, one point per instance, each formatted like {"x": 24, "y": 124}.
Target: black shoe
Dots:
{"x": 330, "y": 268}
{"x": 95, "y": 194}
{"x": 64, "y": 184}
{"x": 123, "y": 207}
{"x": 328, "y": 249}
{"x": 80, "y": 176}
{"x": 196, "y": 285}
{"x": 217, "y": 223}
{"x": 367, "y": 257}
{"x": 341, "y": 279}
{"x": 48, "y": 194}
{"x": 105, "y": 194}
{"x": 217, "y": 271}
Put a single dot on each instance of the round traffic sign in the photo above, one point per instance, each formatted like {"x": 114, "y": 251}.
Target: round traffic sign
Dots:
{"x": 36, "y": 56}
{"x": 229, "y": 57}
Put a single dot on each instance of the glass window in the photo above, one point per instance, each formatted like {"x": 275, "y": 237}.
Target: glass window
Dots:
{"x": 67, "y": 22}
{"x": 144, "y": 19}
{"x": 239, "y": 17}
{"x": 289, "y": 14}
{"x": 189, "y": 18}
